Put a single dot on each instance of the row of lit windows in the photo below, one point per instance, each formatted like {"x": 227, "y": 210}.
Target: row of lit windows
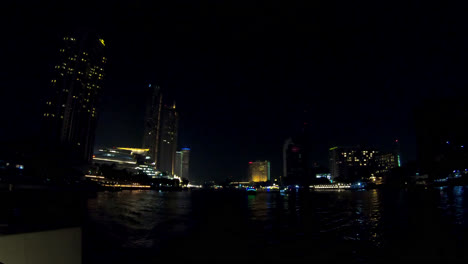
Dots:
{"x": 67, "y": 38}
{"x": 53, "y": 115}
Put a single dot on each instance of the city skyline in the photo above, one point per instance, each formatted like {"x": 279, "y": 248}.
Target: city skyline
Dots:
{"x": 245, "y": 83}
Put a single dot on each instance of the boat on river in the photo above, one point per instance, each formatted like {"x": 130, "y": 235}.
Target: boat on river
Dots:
{"x": 251, "y": 190}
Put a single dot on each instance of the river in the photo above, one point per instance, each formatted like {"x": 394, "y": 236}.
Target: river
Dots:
{"x": 145, "y": 226}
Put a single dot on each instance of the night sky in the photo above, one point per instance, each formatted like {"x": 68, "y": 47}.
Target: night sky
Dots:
{"x": 245, "y": 74}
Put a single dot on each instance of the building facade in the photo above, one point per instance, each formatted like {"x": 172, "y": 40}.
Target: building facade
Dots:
{"x": 385, "y": 162}
{"x": 259, "y": 171}
{"x": 70, "y": 113}
{"x": 134, "y": 160}
{"x": 352, "y": 163}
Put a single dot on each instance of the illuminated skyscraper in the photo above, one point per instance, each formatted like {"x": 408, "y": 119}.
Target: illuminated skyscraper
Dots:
{"x": 259, "y": 171}
{"x": 182, "y": 163}
{"x": 70, "y": 114}
{"x": 160, "y": 131}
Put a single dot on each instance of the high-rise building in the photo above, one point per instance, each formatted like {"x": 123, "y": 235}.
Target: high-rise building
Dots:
{"x": 386, "y": 162}
{"x": 152, "y": 123}
{"x": 259, "y": 171}
{"x": 168, "y": 139}
{"x": 295, "y": 169}
{"x": 352, "y": 163}
{"x": 160, "y": 132}
{"x": 70, "y": 114}
{"x": 182, "y": 163}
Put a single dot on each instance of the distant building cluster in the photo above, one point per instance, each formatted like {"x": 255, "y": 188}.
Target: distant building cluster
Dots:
{"x": 361, "y": 163}
{"x": 70, "y": 116}
{"x": 346, "y": 163}
{"x": 159, "y": 157}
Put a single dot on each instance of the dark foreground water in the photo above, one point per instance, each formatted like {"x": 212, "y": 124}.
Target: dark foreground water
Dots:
{"x": 322, "y": 226}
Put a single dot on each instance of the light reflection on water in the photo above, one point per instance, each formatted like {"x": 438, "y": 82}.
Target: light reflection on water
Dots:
{"x": 452, "y": 203}
{"x": 410, "y": 224}
{"x": 139, "y": 218}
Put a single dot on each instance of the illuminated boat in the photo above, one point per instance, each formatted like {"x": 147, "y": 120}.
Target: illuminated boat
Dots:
{"x": 251, "y": 190}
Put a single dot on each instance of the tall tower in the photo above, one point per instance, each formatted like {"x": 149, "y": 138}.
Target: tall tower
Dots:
{"x": 396, "y": 152}
{"x": 294, "y": 162}
{"x": 152, "y": 122}
{"x": 169, "y": 124}
{"x": 334, "y": 162}
{"x": 160, "y": 131}
{"x": 182, "y": 163}
{"x": 70, "y": 114}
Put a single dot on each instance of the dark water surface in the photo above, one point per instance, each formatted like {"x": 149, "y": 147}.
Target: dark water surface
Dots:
{"x": 322, "y": 226}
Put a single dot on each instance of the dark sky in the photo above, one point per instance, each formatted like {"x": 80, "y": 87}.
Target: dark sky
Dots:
{"x": 243, "y": 72}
